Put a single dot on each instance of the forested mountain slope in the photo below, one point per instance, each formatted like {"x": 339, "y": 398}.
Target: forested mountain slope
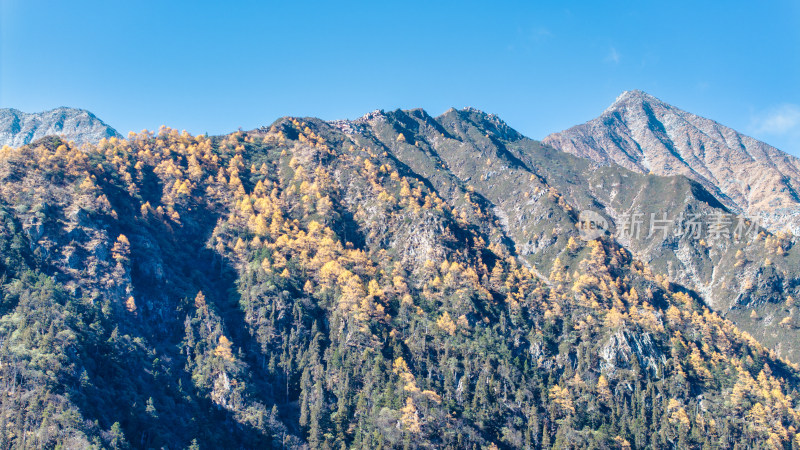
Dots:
{"x": 739, "y": 269}
{"x": 316, "y": 285}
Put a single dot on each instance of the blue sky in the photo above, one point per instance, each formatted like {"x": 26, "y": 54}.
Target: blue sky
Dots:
{"x": 544, "y": 66}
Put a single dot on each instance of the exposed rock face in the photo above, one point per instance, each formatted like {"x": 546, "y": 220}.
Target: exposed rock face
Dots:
{"x": 644, "y": 134}
{"x": 624, "y": 345}
{"x": 18, "y": 128}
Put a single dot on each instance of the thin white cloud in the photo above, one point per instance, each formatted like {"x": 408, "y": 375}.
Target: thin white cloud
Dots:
{"x": 541, "y": 34}
{"x": 781, "y": 120}
{"x": 613, "y": 56}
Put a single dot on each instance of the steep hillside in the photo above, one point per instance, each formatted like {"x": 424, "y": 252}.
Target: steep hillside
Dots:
{"x": 19, "y": 128}
{"x": 536, "y": 193}
{"x": 395, "y": 281}
{"x": 644, "y": 134}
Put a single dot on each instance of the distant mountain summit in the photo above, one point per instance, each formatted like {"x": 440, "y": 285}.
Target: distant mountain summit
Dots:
{"x": 18, "y": 128}
{"x": 644, "y": 134}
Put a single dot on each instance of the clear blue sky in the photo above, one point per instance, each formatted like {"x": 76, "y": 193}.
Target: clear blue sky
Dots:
{"x": 213, "y": 67}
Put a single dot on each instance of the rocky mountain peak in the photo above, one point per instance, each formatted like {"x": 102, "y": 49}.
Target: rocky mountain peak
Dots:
{"x": 19, "y": 128}
{"x": 487, "y": 122}
{"x": 644, "y": 134}
{"x": 634, "y": 98}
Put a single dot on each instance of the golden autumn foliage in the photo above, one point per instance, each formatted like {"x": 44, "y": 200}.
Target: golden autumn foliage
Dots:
{"x": 223, "y": 349}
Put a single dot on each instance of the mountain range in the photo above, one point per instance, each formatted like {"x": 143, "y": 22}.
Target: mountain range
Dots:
{"x": 400, "y": 280}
